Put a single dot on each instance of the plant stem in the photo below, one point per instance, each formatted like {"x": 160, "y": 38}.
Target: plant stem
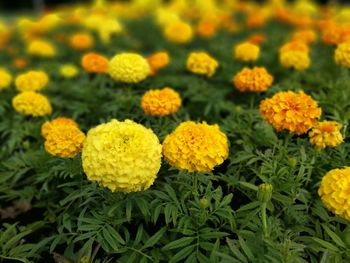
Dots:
{"x": 264, "y": 219}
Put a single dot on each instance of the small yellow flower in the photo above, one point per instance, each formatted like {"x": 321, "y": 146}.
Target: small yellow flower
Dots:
{"x": 246, "y": 52}
{"x": 128, "y": 68}
{"x": 32, "y": 103}
{"x": 196, "y": 147}
{"x": 256, "y": 79}
{"x": 178, "y": 32}
{"x": 161, "y": 102}
{"x": 201, "y": 63}
{"x": 48, "y": 126}
{"x": 41, "y": 48}
{"x": 33, "y": 80}
{"x": 295, "y": 59}
{"x": 326, "y": 134}
{"x": 69, "y": 70}
{"x": 342, "y": 55}
{"x": 5, "y": 79}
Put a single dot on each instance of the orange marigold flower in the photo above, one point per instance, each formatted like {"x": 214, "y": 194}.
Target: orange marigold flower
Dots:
{"x": 81, "y": 41}
{"x": 94, "y": 63}
{"x": 332, "y": 35}
{"x": 326, "y": 134}
{"x": 161, "y": 102}
{"x": 206, "y": 28}
{"x": 307, "y": 36}
{"x": 295, "y": 45}
{"x": 246, "y": 52}
{"x": 256, "y": 79}
{"x": 287, "y": 110}
{"x": 256, "y": 20}
{"x": 257, "y": 39}
{"x": 158, "y": 61}
{"x": 48, "y": 126}
{"x": 342, "y": 55}
{"x": 20, "y": 63}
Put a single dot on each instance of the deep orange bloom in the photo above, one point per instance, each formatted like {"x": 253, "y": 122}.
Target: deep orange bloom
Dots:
{"x": 157, "y": 61}
{"x": 257, "y": 39}
{"x": 81, "y": 41}
{"x": 94, "y": 63}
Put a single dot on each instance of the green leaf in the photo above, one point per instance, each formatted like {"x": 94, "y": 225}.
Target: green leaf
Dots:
{"x": 155, "y": 238}
{"x": 184, "y": 241}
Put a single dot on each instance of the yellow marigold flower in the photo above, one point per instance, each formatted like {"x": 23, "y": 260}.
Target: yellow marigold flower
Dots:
{"x": 69, "y": 70}
{"x": 41, "y": 48}
{"x": 64, "y": 141}
{"x": 287, "y": 110}
{"x": 178, "y": 32}
{"x": 196, "y": 147}
{"x": 32, "y": 103}
{"x": 81, "y": 41}
{"x": 122, "y": 156}
{"x": 129, "y": 68}
{"x": 201, "y": 63}
{"x": 342, "y": 55}
{"x": 256, "y": 79}
{"x": 246, "y": 52}
{"x": 33, "y": 80}
{"x": 295, "y": 45}
{"x": 307, "y": 36}
{"x": 326, "y": 134}
{"x": 5, "y": 79}
{"x": 48, "y": 126}
{"x": 334, "y": 191}
{"x": 158, "y": 61}
{"x": 161, "y": 102}
{"x": 295, "y": 59}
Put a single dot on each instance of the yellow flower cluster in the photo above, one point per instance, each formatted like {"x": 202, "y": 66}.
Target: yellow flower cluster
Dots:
{"x": 246, "y": 52}
{"x": 161, "y": 102}
{"x": 122, "y": 156}
{"x": 128, "y": 68}
{"x": 31, "y": 81}
{"x": 287, "y": 110}
{"x": 69, "y": 71}
{"x": 334, "y": 191}
{"x": 256, "y": 79}
{"x": 196, "y": 147}
{"x": 295, "y": 59}
{"x": 178, "y": 32}
{"x": 32, "y": 103}
{"x": 5, "y": 79}
{"x": 201, "y": 63}
{"x": 326, "y": 134}
{"x": 48, "y": 126}
{"x": 41, "y": 48}
{"x": 342, "y": 55}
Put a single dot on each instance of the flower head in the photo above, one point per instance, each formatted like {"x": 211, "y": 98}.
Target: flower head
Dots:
{"x": 246, "y": 52}
{"x": 256, "y": 79}
{"x": 287, "y": 110}
{"x": 48, "y": 126}
{"x": 295, "y": 45}
{"x": 32, "y": 103}
{"x": 326, "y": 134}
{"x": 158, "y": 61}
{"x": 129, "y": 68}
{"x": 5, "y": 79}
{"x": 334, "y": 191}
{"x": 81, "y": 41}
{"x": 41, "y": 48}
{"x": 20, "y": 63}
{"x": 295, "y": 59}
{"x": 342, "y": 55}
{"x": 33, "y": 80}
{"x": 94, "y": 63}
{"x": 196, "y": 147}
{"x": 201, "y": 63}
{"x": 307, "y": 36}
{"x": 178, "y": 32}
{"x": 69, "y": 70}
{"x": 122, "y": 156}
{"x": 161, "y": 102}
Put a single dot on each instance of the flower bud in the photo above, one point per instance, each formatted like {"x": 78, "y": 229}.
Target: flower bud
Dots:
{"x": 203, "y": 203}
{"x": 265, "y": 192}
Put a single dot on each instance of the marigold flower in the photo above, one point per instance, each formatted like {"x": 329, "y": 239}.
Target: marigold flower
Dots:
{"x": 295, "y": 59}
{"x": 178, "y": 32}
{"x": 287, "y": 110}
{"x": 32, "y": 103}
{"x": 246, "y": 52}
{"x": 48, "y": 126}
{"x": 33, "y": 80}
{"x": 326, "y": 134}
{"x": 196, "y": 147}
{"x": 206, "y": 28}
{"x": 334, "y": 192}
{"x": 332, "y": 34}
{"x": 161, "y": 102}
{"x": 256, "y": 79}
{"x": 129, "y": 68}
{"x": 20, "y": 63}
{"x": 256, "y": 20}
{"x": 257, "y": 39}
{"x": 158, "y": 61}
{"x": 307, "y": 36}
{"x": 69, "y": 70}
{"x": 295, "y": 45}
{"x": 201, "y": 63}
{"x": 41, "y": 48}
{"x": 5, "y": 79}
{"x": 81, "y": 41}
{"x": 122, "y": 156}
{"x": 64, "y": 141}
{"x": 342, "y": 55}
{"x": 94, "y": 63}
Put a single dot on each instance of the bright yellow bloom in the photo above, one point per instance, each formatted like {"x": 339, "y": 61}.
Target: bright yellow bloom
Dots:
{"x": 64, "y": 141}
{"x": 342, "y": 55}
{"x": 48, "y": 126}
{"x": 41, "y": 48}
{"x": 128, "y": 68}
{"x": 287, "y": 110}
{"x": 196, "y": 147}
{"x": 246, "y": 52}
{"x": 32, "y": 103}
{"x": 334, "y": 192}
{"x": 122, "y": 156}
{"x": 161, "y": 102}
{"x": 178, "y": 32}
{"x": 33, "y": 80}
{"x": 326, "y": 134}
{"x": 69, "y": 70}
{"x": 158, "y": 61}
{"x": 295, "y": 59}
{"x": 5, "y": 79}
{"x": 256, "y": 79}
{"x": 201, "y": 63}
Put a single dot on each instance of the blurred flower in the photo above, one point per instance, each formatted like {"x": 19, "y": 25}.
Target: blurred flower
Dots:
{"x": 342, "y": 55}
{"x": 5, "y": 79}
{"x": 32, "y": 80}
{"x": 257, "y": 39}
{"x": 160, "y": 102}
{"x": 20, "y": 63}
{"x": 196, "y": 147}
{"x": 69, "y": 70}
{"x": 94, "y": 63}
{"x": 295, "y": 45}
{"x": 287, "y": 110}
{"x": 41, "y": 48}
{"x": 326, "y": 134}
{"x": 48, "y": 126}
{"x": 122, "y": 156}
{"x": 295, "y": 59}
{"x": 178, "y": 32}
{"x": 307, "y": 36}
{"x": 81, "y": 41}
{"x": 201, "y": 63}
{"x": 32, "y": 103}
{"x": 207, "y": 28}
{"x": 256, "y": 19}
{"x": 246, "y": 52}
{"x": 157, "y": 61}
{"x": 256, "y": 79}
